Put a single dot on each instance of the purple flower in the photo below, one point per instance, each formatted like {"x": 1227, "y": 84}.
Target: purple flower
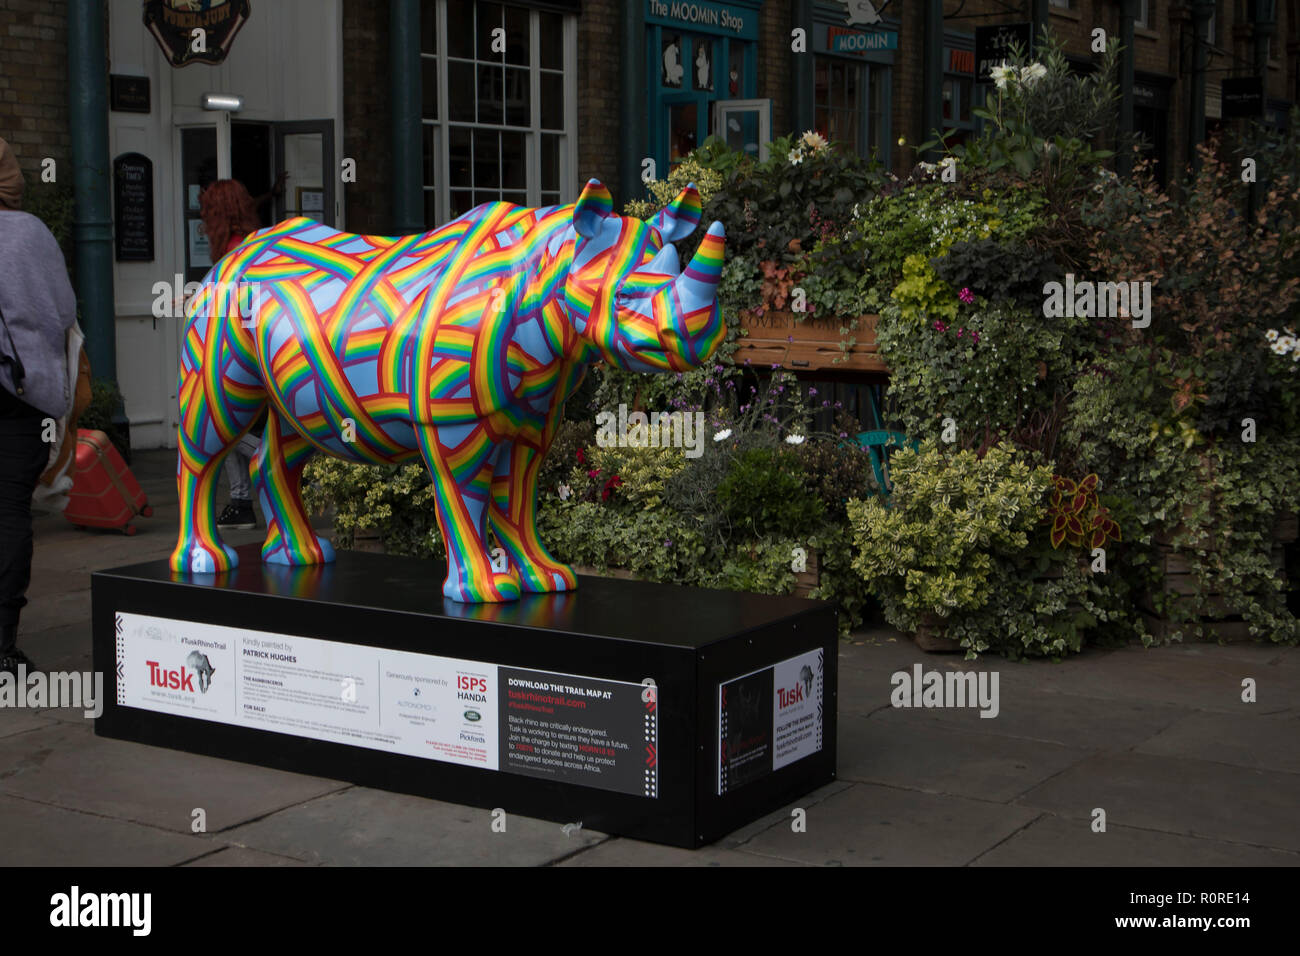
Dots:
{"x": 966, "y": 295}
{"x": 812, "y": 392}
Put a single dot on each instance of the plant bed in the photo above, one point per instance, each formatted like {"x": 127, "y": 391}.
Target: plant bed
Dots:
{"x": 931, "y": 637}
{"x": 803, "y": 343}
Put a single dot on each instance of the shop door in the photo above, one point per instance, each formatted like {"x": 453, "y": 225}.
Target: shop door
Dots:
{"x": 304, "y": 153}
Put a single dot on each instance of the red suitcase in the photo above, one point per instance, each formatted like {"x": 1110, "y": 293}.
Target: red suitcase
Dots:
{"x": 104, "y": 493}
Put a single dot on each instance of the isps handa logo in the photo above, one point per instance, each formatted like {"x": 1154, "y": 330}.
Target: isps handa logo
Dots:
{"x": 197, "y": 665}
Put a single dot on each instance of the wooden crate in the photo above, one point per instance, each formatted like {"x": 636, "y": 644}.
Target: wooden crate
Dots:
{"x": 1217, "y": 616}
{"x": 812, "y": 344}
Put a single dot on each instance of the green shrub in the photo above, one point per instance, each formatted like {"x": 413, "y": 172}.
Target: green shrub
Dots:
{"x": 764, "y": 494}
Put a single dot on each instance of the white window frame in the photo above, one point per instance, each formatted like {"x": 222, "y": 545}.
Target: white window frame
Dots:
{"x": 724, "y": 108}
{"x": 1143, "y": 16}
{"x": 532, "y": 133}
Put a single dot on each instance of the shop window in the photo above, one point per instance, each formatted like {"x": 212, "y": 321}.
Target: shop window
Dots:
{"x": 1144, "y": 11}
{"x": 499, "y": 123}
{"x": 850, "y": 104}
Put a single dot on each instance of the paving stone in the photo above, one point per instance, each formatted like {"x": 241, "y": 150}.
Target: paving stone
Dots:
{"x": 242, "y": 856}
{"x": 867, "y": 825}
{"x": 620, "y": 852}
{"x": 781, "y": 817}
{"x": 923, "y": 755}
{"x": 1053, "y": 841}
{"x": 1083, "y": 722}
{"x": 16, "y": 720}
{"x": 1178, "y": 795}
{"x": 364, "y": 827}
{"x": 1258, "y": 740}
{"x": 66, "y": 765}
{"x": 36, "y": 834}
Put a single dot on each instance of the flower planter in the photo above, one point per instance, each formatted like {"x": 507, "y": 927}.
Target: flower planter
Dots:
{"x": 931, "y": 636}
{"x": 807, "y": 343}
{"x": 1181, "y": 585}
{"x": 367, "y": 539}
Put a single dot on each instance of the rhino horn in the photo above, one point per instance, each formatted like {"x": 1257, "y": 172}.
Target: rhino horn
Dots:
{"x": 697, "y": 285}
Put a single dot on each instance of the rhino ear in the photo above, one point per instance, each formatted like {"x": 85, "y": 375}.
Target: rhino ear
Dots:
{"x": 679, "y": 218}
{"x": 593, "y": 207}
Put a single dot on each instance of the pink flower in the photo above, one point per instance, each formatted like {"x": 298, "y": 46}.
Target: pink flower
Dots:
{"x": 940, "y": 327}
{"x": 966, "y": 295}
{"x": 961, "y": 332}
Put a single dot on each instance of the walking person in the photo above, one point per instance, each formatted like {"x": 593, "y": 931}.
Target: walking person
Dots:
{"x": 37, "y": 308}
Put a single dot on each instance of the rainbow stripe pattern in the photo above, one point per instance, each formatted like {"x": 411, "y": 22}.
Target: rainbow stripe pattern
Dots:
{"x": 459, "y": 345}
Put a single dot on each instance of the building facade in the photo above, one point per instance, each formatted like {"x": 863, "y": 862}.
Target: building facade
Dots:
{"x": 381, "y": 116}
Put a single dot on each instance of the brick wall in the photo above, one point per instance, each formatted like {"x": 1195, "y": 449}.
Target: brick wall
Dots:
{"x": 367, "y": 129}
{"x": 33, "y": 83}
{"x": 600, "y": 69}
{"x": 774, "y": 62}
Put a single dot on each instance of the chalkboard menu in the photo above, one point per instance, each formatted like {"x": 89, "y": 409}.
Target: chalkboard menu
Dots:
{"x": 133, "y": 207}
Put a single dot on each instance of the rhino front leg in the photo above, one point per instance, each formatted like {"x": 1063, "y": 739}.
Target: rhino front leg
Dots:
{"x": 461, "y": 460}
{"x": 514, "y": 519}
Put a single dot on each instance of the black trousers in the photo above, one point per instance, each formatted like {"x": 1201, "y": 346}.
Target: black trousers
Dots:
{"x": 23, "y": 457}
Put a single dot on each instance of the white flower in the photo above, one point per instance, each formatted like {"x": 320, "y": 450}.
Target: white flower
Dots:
{"x": 796, "y": 156}
{"x": 794, "y": 439}
{"x": 1271, "y": 335}
{"x": 722, "y": 435}
{"x": 1001, "y": 73}
{"x": 814, "y": 140}
{"x": 1031, "y": 74}
{"x": 564, "y": 492}
{"x": 947, "y": 161}
{"x": 1284, "y": 344}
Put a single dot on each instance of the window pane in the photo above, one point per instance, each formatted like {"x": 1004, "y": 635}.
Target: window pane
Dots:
{"x": 702, "y": 64}
{"x": 550, "y": 41}
{"x": 481, "y": 196}
{"x": 550, "y": 199}
{"x": 550, "y": 162}
{"x": 487, "y": 17}
{"x": 517, "y": 97}
{"x": 552, "y": 86}
{"x": 519, "y": 199}
{"x": 428, "y": 28}
{"x": 460, "y": 78}
{"x": 735, "y": 67}
{"x": 517, "y": 36}
{"x": 682, "y": 131}
{"x": 491, "y": 102}
{"x": 429, "y": 67}
{"x": 460, "y": 28}
{"x": 430, "y": 153}
{"x": 462, "y": 201}
{"x": 949, "y": 93}
{"x": 458, "y": 157}
{"x": 671, "y": 68}
{"x": 487, "y": 162}
{"x": 514, "y": 161}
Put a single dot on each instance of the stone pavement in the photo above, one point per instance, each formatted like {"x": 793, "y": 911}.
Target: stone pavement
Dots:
{"x": 1159, "y": 739}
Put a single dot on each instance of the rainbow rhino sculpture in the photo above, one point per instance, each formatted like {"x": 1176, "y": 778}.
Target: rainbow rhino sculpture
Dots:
{"x": 460, "y": 345}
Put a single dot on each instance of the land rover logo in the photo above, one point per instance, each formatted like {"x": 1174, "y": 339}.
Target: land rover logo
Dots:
{"x": 473, "y": 715}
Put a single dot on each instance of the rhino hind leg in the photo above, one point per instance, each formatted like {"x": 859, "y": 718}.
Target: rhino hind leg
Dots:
{"x": 277, "y": 477}
{"x": 462, "y": 474}
{"x": 514, "y": 519}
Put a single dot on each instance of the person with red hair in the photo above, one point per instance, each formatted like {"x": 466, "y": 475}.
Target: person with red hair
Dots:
{"x": 229, "y": 214}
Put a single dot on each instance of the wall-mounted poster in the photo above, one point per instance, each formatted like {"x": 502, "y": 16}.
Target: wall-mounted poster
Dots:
{"x": 200, "y": 251}
{"x": 133, "y": 208}
{"x": 311, "y": 202}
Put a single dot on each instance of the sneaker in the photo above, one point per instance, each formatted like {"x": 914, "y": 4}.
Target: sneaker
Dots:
{"x": 12, "y": 659}
{"x": 238, "y": 516}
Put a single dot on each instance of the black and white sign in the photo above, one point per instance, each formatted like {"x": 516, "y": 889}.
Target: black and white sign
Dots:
{"x": 1243, "y": 96}
{"x": 770, "y": 718}
{"x": 133, "y": 208}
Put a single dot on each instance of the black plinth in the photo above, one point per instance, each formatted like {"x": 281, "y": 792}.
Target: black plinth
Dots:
{"x": 361, "y": 671}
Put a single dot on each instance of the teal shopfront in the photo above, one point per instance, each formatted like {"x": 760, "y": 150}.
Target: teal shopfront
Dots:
{"x": 700, "y": 72}
{"x": 853, "y": 69}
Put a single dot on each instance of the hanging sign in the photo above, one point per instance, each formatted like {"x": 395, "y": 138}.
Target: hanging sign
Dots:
{"x": 195, "y": 31}
{"x": 993, "y": 46}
